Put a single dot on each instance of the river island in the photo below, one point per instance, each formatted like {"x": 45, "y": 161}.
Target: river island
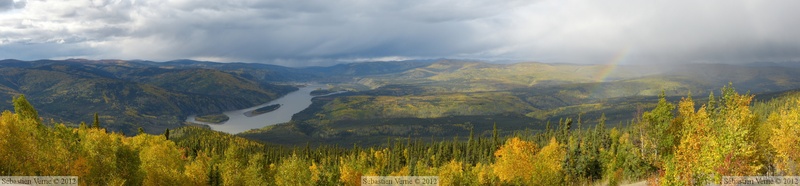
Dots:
{"x": 262, "y": 110}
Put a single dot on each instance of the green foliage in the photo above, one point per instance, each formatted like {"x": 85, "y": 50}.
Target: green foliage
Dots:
{"x": 662, "y": 133}
{"x": 24, "y": 109}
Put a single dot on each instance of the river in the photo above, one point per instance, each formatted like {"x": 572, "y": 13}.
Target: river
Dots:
{"x": 291, "y": 104}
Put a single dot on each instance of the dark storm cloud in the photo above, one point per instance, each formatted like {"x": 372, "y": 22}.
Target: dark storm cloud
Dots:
{"x": 288, "y": 31}
{"x": 11, "y": 4}
{"x": 314, "y": 32}
{"x": 47, "y": 50}
{"x": 6, "y": 4}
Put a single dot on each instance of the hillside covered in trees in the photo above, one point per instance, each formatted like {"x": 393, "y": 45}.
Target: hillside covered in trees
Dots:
{"x": 128, "y": 95}
{"x": 676, "y": 143}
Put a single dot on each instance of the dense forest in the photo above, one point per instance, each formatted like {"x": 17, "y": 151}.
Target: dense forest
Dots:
{"x": 683, "y": 143}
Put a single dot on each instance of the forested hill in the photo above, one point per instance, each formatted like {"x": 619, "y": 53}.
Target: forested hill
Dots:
{"x": 128, "y": 95}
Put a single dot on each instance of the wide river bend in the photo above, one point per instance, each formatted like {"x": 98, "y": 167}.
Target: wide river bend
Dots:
{"x": 291, "y": 104}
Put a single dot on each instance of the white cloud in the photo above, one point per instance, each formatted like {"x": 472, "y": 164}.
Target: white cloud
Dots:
{"x": 325, "y": 31}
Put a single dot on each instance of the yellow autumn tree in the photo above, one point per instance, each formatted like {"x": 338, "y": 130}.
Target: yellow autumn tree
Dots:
{"x": 404, "y": 171}
{"x": 293, "y": 171}
{"x": 785, "y": 140}
{"x": 451, "y": 173}
{"x": 66, "y": 140}
{"x": 380, "y": 161}
{"x": 232, "y": 165}
{"x": 17, "y": 144}
{"x": 161, "y": 160}
{"x": 547, "y": 164}
{"x": 694, "y": 159}
{"x": 484, "y": 175}
{"x": 100, "y": 150}
{"x": 735, "y": 132}
{"x": 719, "y": 139}
{"x": 352, "y": 167}
{"x": 518, "y": 162}
{"x": 514, "y": 162}
{"x": 316, "y": 170}
{"x": 256, "y": 169}
{"x": 196, "y": 171}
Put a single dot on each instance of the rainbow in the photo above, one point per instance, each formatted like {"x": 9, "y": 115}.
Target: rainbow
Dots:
{"x": 611, "y": 65}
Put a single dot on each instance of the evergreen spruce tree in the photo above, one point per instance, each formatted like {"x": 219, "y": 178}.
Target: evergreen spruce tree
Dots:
{"x": 166, "y": 134}
{"x": 568, "y": 124}
{"x": 493, "y": 146}
{"x": 494, "y": 134}
{"x": 469, "y": 152}
{"x": 96, "y": 123}
{"x": 214, "y": 176}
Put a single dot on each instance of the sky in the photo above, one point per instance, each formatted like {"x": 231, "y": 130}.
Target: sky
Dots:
{"x": 323, "y": 32}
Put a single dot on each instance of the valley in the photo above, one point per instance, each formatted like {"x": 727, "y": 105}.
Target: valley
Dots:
{"x": 393, "y": 96}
